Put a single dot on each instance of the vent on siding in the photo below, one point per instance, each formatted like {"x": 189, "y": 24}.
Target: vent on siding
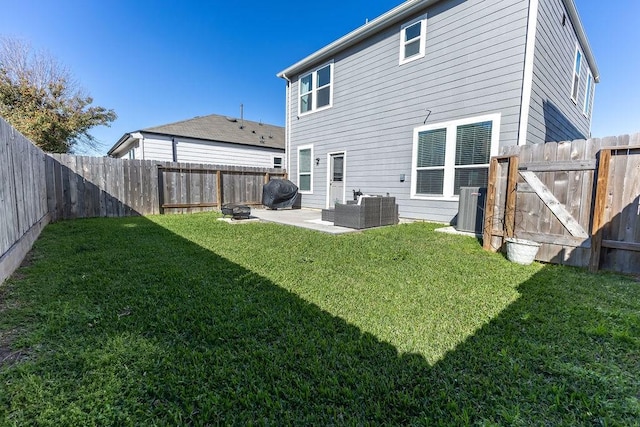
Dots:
{"x": 471, "y": 209}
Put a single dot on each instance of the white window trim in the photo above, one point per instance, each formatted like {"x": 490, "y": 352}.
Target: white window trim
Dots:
{"x": 423, "y": 39}
{"x": 450, "y": 153}
{"x": 273, "y": 162}
{"x": 133, "y": 154}
{"x": 588, "y": 97}
{"x": 300, "y": 148}
{"x": 573, "y": 74}
{"x": 314, "y": 89}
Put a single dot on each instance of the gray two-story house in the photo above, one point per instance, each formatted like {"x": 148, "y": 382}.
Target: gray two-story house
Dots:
{"x": 416, "y": 101}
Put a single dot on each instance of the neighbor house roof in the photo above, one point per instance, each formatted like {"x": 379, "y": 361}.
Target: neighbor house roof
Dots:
{"x": 399, "y": 13}
{"x": 217, "y": 128}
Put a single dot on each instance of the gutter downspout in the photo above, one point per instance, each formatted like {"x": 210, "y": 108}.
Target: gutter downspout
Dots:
{"x": 287, "y": 124}
{"x": 527, "y": 75}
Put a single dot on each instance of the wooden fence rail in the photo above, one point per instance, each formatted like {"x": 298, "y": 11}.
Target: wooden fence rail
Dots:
{"x": 579, "y": 199}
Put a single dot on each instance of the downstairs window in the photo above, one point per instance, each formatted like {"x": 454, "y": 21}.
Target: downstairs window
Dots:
{"x": 451, "y": 155}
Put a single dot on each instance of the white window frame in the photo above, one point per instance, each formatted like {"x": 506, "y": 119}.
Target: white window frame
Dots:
{"x": 576, "y": 73}
{"x": 450, "y": 153}
{"x": 423, "y": 39}
{"x": 132, "y": 153}
{"x": 276, "y": 166}
{"x": 314, "y": 90}
{"x": 588, "y": 96}
{"x": 301, "y": 148}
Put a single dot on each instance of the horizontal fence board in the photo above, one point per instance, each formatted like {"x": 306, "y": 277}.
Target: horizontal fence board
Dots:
{"x": 561, "y": 165}
{"x": 627, "y": 246}
{"x": 559, "y": 240}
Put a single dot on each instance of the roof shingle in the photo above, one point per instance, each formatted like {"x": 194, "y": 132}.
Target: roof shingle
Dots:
{"x": 225, "y": 129}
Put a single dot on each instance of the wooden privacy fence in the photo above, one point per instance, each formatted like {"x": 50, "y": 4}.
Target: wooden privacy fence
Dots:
{"x": 188, "y": 187}
{"x": 83, "y": 187}
{"x": 579, "y": 199}
{"x": 36, "y": 188}
{"x": 23, "y": 197}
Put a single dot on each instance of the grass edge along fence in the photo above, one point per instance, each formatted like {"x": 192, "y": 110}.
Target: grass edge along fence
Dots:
{"x": 37, "y": 188}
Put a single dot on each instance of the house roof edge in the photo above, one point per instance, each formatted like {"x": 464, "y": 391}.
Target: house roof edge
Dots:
{"x": 582, "y": 38}
{"x": 123, "y": 139}
{"x": 357, "y": 35}
{"x": 406, "y": 9}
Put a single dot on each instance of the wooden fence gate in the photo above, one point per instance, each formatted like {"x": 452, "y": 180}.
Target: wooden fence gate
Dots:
{"x": 579, "y": 199}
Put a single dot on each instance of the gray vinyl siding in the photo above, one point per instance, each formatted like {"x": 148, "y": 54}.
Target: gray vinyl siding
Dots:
{"x": 473, "y": 66}
{"x": 220, "y": 153}
{"x": 553, "y": 116}
{"x": 159, "y": 147}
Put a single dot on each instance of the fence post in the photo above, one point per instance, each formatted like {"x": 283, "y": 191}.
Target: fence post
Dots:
{"x": 219, "y": 189}
{"x": 510, "y": 210}
{"x": 490, "y": 206}
{"x": 602, "y": 183}
{"x": 161, "y": 189}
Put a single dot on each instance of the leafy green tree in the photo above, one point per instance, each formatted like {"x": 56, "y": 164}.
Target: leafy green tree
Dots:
{"x": 41, "y": 100}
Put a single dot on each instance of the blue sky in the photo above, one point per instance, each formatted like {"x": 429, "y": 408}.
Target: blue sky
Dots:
{"x": 156, "y": 62}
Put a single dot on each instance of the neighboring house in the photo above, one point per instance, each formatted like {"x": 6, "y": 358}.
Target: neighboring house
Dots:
{"x": 212, "y": 139}
{"x": 416, "y": 101}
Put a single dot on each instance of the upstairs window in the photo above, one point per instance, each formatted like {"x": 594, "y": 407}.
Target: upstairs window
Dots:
{"x": 588, "y": 97}
{"x": 316, "y": 91}
{"x": 575, "y": 86}
{"x": 413, "y": 36}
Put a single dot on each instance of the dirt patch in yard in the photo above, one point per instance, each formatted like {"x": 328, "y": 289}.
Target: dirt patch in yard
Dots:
{"x": 18, "y": 275}
{"x": 8, "y": 355}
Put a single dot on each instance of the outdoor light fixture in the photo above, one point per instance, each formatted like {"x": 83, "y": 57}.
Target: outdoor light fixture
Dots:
{"x": 317, "y": 161}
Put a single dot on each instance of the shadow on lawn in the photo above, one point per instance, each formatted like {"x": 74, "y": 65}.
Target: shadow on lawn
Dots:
{"x": 173, "y": 333}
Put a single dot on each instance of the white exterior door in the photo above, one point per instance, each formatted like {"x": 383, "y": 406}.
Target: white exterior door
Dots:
{"x": 336, "y": 179}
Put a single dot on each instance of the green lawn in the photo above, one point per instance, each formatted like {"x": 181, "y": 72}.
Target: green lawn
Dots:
{"x": 173, "y": 320}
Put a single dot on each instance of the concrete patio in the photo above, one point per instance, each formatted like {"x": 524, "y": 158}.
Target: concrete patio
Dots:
{"x": 305, "y": 218}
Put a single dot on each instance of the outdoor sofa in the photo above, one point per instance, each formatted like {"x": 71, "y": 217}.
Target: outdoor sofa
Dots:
{"x": 370, "y": 211}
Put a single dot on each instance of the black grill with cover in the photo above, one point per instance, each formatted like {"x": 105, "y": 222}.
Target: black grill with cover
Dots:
{"x": 279, "y": 193}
